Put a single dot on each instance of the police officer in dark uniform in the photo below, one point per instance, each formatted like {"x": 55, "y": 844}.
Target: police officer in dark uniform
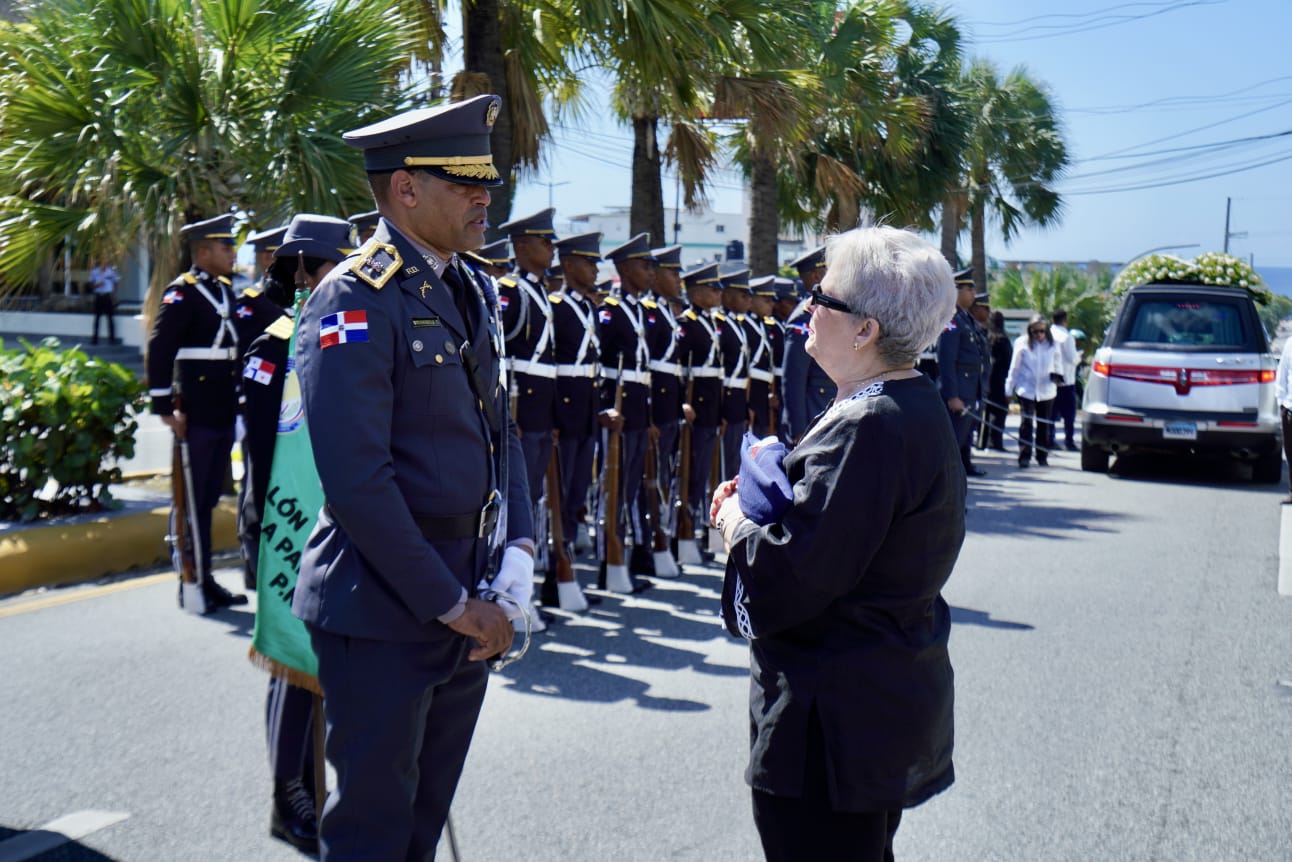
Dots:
{"x": 193, "y": 351}
{"x": 314, "y": 244}
{"x": 527, "y": 325}
{"x": 699, "y": 352}
{"x": 622, "y": 323}
{"x": 400, "y": 364}
{"x": 783, "y": 306}
{"x": 964, "y": 355}
{"x": 365, "y": 225}
{"x": 761, "y": 329}
{"x": 807, "y": 390}
{"x": 578, "y": 370}
{"x": 492, "y": 258}
{"x": 734, "y": 339}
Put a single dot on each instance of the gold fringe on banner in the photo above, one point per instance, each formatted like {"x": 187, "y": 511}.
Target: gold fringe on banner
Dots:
{"x": 300, "y": 679}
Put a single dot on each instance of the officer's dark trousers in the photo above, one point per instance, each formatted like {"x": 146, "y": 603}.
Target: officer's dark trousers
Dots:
{"x": 1040, "y": 411}
{"x": 1065, "y": 409}
{"x": 665, "y": 461}
{"x": 399, "y": 722}
{"x": 963, "y": 425}
{"x": 731, "y": 449}
{"x": 104, "y": 307}
{"x": 208, "y": 459}
{"x": 702, "y": 442}
{"x": 1286, "y": 416}
{"x": 537, "y": 446}
{"x": 289, "y": 713}
{"x": 576, "y": 478}
{"x": 633, "y": 461}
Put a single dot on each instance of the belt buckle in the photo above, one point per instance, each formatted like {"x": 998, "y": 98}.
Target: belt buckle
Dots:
{"x": 488, "y": 517}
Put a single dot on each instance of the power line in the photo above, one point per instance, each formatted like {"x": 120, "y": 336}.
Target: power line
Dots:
{"x": 1178, "y": 135}
{"x": 1183, "y": 180}
{"x": 1098, "y": 20}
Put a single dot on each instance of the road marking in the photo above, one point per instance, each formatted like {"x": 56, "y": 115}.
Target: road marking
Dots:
{"x": 1285, "y": 551}
{"x": 70, "y": 827}
{"x": 67, "y": 596}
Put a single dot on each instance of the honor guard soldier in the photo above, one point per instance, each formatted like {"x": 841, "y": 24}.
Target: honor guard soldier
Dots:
{"x": 400, "y": 366}
{"x": 622, "y": 323}
{"x": 316, "y": 244}
{"x": 493, "y": 259}
{"x": 365, "y": 225}
{"x": 555, "y": 278}
{"x": 578, "y": 372}
{"x": 255, "y": 308}
{"x": 193, "y": 352}
{"x": 699, "y": 352}
{"x": 735, "y": 360}
{"x": 759, "y": 325}
{"x": 807, "y": 389}
{"x": 787, "y": 299}
{"x": 527, "y": 327}
{"x": 964, "y": 353}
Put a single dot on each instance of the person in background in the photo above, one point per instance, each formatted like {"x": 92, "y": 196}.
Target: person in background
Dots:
{"x": 963, "y": 354}
{"x": 996, "y": 410}
{"x": 840, "y": 593}
{"x": 1033, "y": 376}
{"x": 980, "y": 311}
{"x": 103, "y": 280}
{"x": 806, "y": 389}
{"x": 1065, "y": 399}
{"x": 1283, "y": 392}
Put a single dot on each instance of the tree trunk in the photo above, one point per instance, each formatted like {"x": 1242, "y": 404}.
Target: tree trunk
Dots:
{"x": 647, "y": 212}
{"x": 950, "y": 229}
{"x": 979, "y": 244}
{"x": 764, "y": 220}
{"x": 482, "y": 53}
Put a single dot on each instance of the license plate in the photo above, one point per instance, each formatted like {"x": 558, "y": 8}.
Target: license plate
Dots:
{"x": 1180, "y": 431}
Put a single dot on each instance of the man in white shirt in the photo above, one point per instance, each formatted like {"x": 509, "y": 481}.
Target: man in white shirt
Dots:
{"x": 1065, "y": 403}
{"x": 1283, "y": 392}
{"x": 103, "y": 278}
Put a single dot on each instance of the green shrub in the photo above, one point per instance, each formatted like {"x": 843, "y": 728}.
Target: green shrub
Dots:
{"x": 63, "y": 414}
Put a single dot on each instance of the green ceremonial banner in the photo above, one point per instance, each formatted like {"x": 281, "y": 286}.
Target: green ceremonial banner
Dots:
{"x": 280, "y": 642}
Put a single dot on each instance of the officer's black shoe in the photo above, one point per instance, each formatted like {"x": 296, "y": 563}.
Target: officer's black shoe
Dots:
{"x": 218, "y": 597}
{"x": 641, "y": 561}
{"x": 641, "y": 585}
{"x": 1071, "y": 447}
{"x": 293, "y": 819}
{"x": 972, "y": 470}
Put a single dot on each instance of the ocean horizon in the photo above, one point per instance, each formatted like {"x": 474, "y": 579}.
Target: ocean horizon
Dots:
{"x": 1277, "y": 278}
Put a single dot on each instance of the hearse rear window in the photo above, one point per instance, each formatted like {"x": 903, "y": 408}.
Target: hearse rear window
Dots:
{"x": 1188, "y": 323}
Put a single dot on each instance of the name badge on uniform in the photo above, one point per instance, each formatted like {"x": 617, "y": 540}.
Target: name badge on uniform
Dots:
{"x": 424, "y": 322}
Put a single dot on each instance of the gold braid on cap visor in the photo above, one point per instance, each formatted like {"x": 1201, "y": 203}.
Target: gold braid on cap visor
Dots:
{"x": 473, "y": 167}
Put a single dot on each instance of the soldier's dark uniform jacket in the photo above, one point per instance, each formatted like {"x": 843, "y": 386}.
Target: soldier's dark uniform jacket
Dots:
{"x": 623, "y": 335}
{"x": 531, "y": 348}
{"x": 578, "y": 348}
{"x": 806, "y": 390}
{"x": 735, "y": 366}
{"x": 964, "y": 354}
{"x": 699, "y": 350}
{"x": 252, "y": 314}
{"x": 662, "y": 338}
{"x": 408, "y": 419}
{"x": 195, "y": 336}
{"x": 264, "y": 370}
{"x": 761, "y": 374}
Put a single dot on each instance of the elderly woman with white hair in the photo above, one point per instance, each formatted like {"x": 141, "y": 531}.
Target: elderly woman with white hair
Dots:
{"x": 839, "y": 594}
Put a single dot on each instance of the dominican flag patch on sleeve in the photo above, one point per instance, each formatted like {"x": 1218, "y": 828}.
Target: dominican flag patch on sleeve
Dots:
{"x": 503, "y": 301}
{"x": 343, "y": 327}
{"x": 171, "y": 297}
{"x": 950, "y": 327}
{"x": 245, "y": 311}
{"x": 259, "y": 370}
{"x": 604, "y": 315}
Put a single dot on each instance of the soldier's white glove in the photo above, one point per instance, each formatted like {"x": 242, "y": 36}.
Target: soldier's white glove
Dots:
{"x": 515, "y": 578}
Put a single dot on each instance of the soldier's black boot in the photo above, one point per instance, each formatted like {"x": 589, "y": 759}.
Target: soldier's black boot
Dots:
{"x": 640, "y": 561}
{"x": 293, "y": 819}
{"x": 218, "y": 597}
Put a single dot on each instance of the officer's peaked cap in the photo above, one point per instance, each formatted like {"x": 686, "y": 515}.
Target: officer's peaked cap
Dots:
{"x": 267, "y": 240}
{"x": 704, "y": 274}
{"x": 982, "y": 299}
{"x": 765, "y": 286}
{"x": 738, "y": 280}
{"x": 638, "y": 246}
{"x": 813, "y": 259}
{"x": 669, "y": 257}
{"x": 492, "y": 253}
{"x": 219, "y": 229}
{"x": 365, "y": 221}
{"x": 538, "y": 224}
{"x": 963, "y": 276}
{"x": 450, "y": 141}
{"x": 317, "y": 236}
{"x": 584, "y": 245}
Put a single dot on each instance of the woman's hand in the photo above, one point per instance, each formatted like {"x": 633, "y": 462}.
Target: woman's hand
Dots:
{"x": 725, "y": 490}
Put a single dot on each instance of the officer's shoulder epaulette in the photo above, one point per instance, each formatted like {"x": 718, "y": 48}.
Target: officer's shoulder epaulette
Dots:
{"x": 718, "y": 315}
{"x": 769, "y": 319}
{"x": 555, "y": 298}
{"x": 508, "y": 280}
{"x": 650, "y": 303}
{"x": 224, "y": 279}
{"x": 252, "y": 290}
{"x": 376, "y": 263}
{"x": 188, "y": 278}
{"x": 281, "y": 328}
{"x": 690, "y": 314}
{"x": 612, "y": 300}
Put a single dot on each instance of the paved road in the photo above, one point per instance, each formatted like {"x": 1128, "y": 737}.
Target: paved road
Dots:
{"x": 1124, "y": 691}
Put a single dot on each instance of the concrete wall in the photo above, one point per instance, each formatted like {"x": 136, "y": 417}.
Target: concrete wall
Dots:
{"x": 71, "y": 328}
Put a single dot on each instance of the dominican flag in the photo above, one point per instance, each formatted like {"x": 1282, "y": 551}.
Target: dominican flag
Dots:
{"x": 171, "y": 297}
{"x": 343, "y": 327}
{"x": 503, "y": 301}
{"x": 245, "y": 311}
{"x": 604, "y": 315}
{"x": 259, "y": 370}
{"x": 950, "y": 327}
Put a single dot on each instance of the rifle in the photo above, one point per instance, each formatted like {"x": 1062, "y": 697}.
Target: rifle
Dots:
{"x": 687, "y": 550}
{"x": 564, "y": 589}
{"x": 772, "y": 411}
{"x": 614, "y": 571}
{"x": 184, "y": 539}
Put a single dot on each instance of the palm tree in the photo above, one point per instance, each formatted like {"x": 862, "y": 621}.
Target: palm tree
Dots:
{"x": 125, "y": 118}
{"x": 1015, "y": 156}
{"x": 1083, "y": 295}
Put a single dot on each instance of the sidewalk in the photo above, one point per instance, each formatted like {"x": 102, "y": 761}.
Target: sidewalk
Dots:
{"x": 84, "y": 547}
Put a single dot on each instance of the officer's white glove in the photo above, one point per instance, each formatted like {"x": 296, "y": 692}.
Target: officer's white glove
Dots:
{"x": 515, "y": 578}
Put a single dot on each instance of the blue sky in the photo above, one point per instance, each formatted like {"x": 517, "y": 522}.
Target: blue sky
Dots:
{"x": 1137, "y": 84}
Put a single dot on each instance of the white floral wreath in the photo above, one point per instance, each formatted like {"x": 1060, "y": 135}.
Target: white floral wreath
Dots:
{"x": 1209, "y": 268}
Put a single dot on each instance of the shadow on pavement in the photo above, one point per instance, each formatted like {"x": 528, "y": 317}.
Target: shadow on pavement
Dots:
{"x": 968, "y": 616}
{"x": 1207, "y": 471}
{"x": 998, "y": 508}
{"x": 27, "y": 843}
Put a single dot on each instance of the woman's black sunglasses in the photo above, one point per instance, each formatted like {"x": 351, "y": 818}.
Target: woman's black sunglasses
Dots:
{"x": 819, "y": 298}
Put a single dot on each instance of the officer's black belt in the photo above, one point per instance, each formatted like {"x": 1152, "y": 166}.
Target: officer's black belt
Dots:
{"x": 475, "y": 525}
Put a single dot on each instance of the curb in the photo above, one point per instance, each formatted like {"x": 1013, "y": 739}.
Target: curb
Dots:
{"x": 71, "y": 553}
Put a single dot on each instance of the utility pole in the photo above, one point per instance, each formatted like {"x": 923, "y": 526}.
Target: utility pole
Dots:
{"x": 551, "y": 185}
{"x": 1237, "y": 234}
